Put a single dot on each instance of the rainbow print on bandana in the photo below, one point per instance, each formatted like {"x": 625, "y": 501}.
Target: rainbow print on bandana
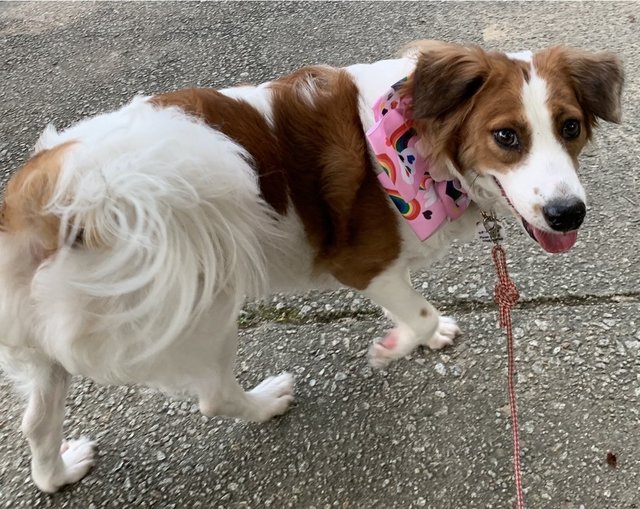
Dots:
{"x": 409, "y": 210}
{"x": 401, "y": 137}
{"x": 387, "y": 166}
{"x": 425, "y": 204}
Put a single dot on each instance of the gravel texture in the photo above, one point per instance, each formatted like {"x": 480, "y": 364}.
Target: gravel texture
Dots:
{"x": 431, "y": 431}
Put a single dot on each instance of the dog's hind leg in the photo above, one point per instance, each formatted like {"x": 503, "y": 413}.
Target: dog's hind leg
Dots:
{"x": 223, "y": 396}
{"x": 54, "y": 461}
{"x": 269, "y": 398}
{"x": 418, "y": 322}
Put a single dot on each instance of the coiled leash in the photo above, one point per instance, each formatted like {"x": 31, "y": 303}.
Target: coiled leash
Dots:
{"x": 506, "y": 296}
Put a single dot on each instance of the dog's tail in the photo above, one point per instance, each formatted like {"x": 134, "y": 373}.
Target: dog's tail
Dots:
{"x": 160, "y": 215}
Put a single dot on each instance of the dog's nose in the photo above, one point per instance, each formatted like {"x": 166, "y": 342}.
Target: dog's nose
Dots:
{"x": 565, "y": 215}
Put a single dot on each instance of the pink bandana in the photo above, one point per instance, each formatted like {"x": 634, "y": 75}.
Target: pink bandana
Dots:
{"x": 424, "y": 203}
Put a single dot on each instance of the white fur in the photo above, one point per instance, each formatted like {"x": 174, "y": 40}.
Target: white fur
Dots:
{"x": 418, "y": 322}
{"x": 367, "y": 77}
{"x": 198, "y": 211}
{"x": 259, "y": 97}
{"x": 525, "y": 56}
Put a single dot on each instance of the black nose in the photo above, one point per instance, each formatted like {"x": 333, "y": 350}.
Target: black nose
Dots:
{"x": 564, "y": 215}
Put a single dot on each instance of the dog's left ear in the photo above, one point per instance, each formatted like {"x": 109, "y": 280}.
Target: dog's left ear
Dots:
{"x": 598, "y": 79}
{"x": 446, "y": 77}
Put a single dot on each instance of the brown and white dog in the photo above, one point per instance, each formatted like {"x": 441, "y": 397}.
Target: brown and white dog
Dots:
{"x": 130, "y": 240}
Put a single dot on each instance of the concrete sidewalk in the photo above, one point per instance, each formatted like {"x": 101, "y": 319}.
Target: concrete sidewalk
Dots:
{"x": 431, "y": 431}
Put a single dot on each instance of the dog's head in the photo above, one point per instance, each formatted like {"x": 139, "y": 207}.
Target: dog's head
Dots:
{"x": 511, "y": 127}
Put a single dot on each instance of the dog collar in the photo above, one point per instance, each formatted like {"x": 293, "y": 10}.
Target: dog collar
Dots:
{"x": 424, "y": 203}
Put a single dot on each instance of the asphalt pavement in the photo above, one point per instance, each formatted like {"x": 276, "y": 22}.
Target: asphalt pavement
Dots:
{"x": 433, "y": 429}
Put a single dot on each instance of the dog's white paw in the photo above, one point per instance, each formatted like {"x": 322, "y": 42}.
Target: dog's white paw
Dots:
{"x": 447, "y": 331}
{"x": 78, "y": 457}
{"x": 273, "y": 396}
{"x": 398, "y": 342}
{"x": 401, "y": 341}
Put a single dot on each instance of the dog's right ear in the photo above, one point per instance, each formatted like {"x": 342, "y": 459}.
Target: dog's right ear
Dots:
{"x": 445, "y": 78}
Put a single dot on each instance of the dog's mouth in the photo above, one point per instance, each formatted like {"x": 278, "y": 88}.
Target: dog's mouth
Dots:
{"x": 551, "y": 242}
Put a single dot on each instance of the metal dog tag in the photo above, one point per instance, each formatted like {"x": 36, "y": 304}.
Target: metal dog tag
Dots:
{"x": 490, "y": 229}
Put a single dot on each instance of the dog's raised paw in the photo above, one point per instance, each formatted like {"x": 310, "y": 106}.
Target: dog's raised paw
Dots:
{"x": 447, "y": 331}
{"x": 274, "y": 395}
{"x": 382, "y": 353}
{"x": 397, "y": 343}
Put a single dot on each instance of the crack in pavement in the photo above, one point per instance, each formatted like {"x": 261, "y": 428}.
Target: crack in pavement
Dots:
{"x": 291, "y": 315}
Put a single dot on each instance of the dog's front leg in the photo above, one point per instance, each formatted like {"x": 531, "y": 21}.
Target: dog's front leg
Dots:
{"x": 417, "y": 321}
{"x": 54, "y": 461}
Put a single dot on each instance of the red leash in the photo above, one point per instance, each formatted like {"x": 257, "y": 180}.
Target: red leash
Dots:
{"x": 506, "y": 296}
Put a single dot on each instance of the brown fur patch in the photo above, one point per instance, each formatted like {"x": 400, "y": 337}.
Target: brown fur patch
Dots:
{"x": 27, "y": 194}
{"x": 446, "y": 76}
{"x": 461, "y": 95}
{"x": 316, "y": 155}
{"x": 332, "y": 181}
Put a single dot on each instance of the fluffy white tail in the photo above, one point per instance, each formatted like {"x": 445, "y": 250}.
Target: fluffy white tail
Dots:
{"x": 170, "y": 216}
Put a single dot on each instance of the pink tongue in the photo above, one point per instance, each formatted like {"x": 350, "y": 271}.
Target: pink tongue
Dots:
{"x": 555, "y": 242}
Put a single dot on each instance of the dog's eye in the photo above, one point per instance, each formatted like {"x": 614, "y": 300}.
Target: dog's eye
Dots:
{"x": 506, "y": 138}
{"x": 571, "y": 129}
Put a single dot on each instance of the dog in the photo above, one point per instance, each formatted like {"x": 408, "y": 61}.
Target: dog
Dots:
{"x": 130, "y": 241}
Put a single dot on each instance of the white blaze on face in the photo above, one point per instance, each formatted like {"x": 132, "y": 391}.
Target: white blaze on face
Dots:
{"x": 547, "y": 174}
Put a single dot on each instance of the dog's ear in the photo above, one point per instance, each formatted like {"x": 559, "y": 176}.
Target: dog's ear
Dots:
{"x": 597, "y": 79}
{"x": 445, "y": 78}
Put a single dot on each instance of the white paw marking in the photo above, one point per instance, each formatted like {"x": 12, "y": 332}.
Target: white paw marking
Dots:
{"x": 78, "y": 457}
{"x": 379, "y": 356}
{"x": 398, "y": 342}
{"x": 447, "y": 331}
{"x": 273, "y": 395}
{"x": 401, "y": 341}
